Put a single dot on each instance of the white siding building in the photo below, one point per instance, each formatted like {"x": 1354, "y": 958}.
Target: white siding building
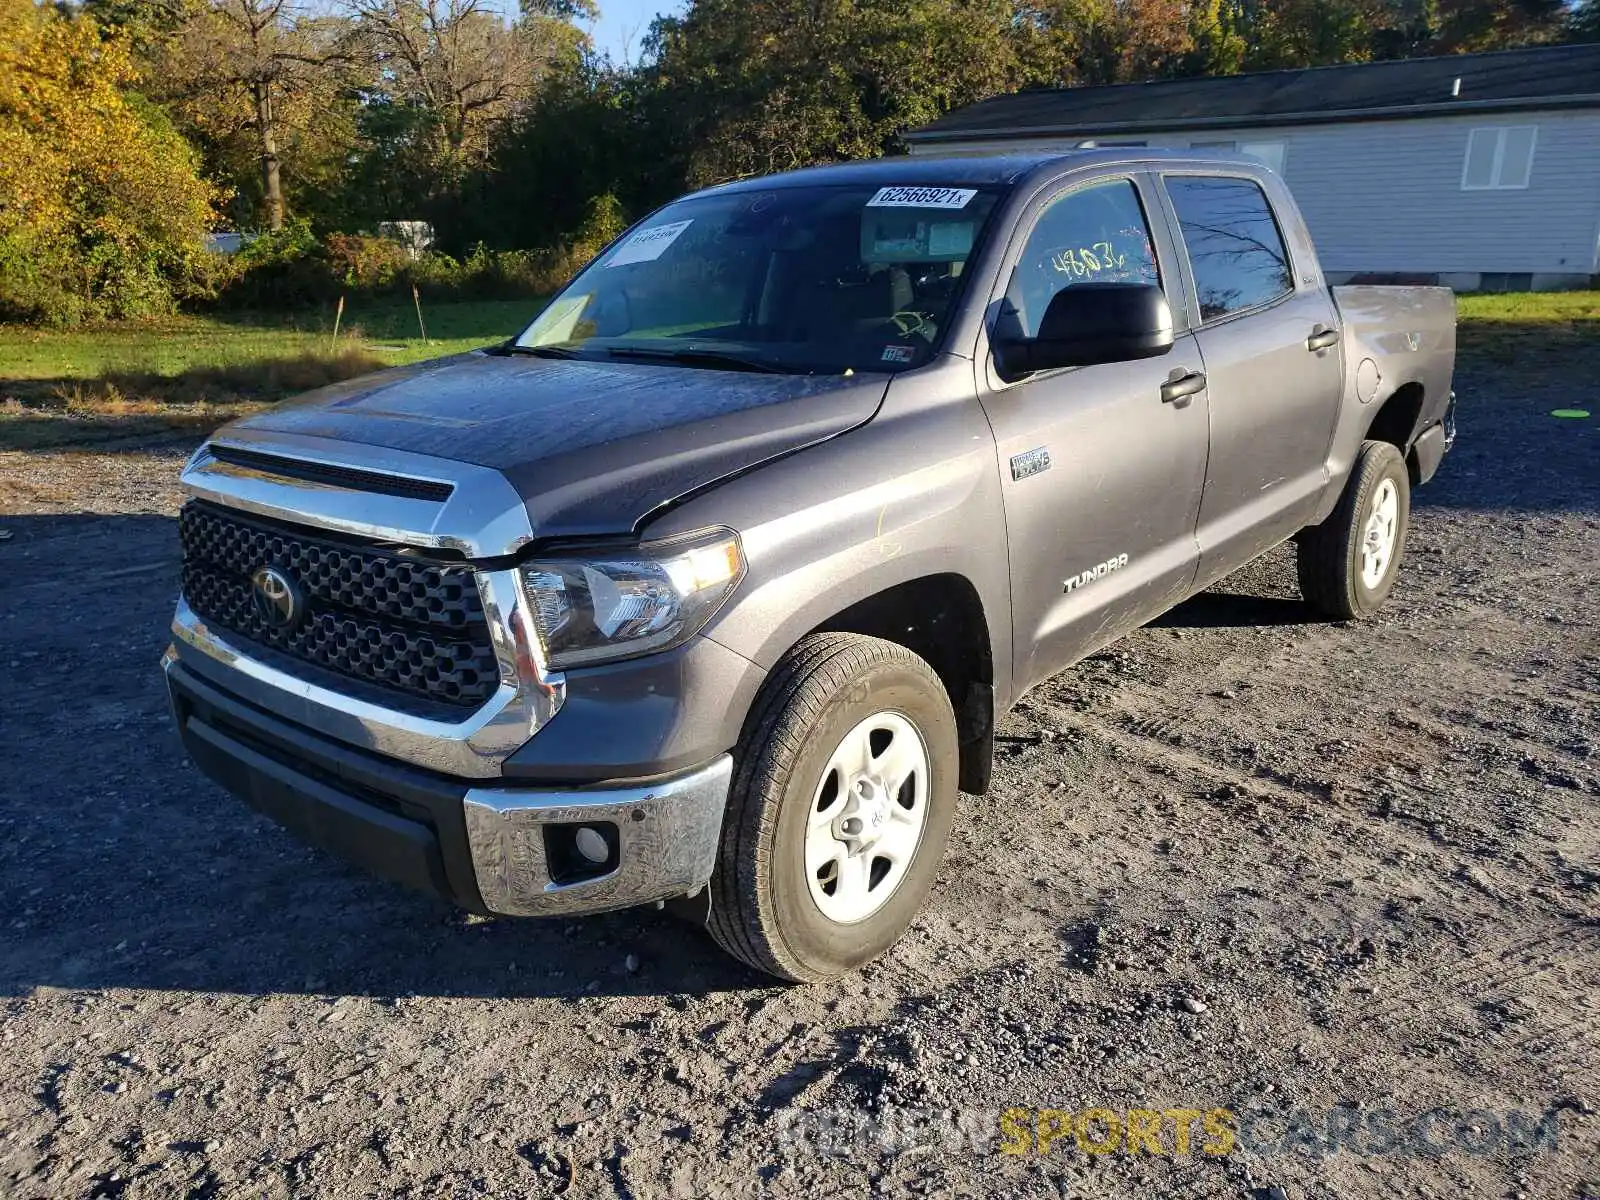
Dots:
{"x": 1478, "y": 171}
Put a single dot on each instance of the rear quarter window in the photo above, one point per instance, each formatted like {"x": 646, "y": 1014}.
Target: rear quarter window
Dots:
{"x": 1236, "y": 250}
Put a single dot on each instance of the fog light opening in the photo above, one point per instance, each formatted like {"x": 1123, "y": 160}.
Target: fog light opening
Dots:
{"x": 578, "y": 852}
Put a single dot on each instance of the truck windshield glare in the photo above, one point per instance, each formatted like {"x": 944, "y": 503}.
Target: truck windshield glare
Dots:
{"x": 803, "y": 280}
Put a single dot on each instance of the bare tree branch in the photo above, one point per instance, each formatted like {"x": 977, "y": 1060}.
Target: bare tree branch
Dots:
{"x": 459, "y": 59}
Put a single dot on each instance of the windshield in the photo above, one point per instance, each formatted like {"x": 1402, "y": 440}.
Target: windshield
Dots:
{"x": 804, "y": 279}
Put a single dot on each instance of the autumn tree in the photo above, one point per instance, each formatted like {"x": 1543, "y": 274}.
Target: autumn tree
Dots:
{"x": 101, "y": 206}
{"x": 1307, "y": 33}
{"x": 461, "y": 64}
{"x": 1279, "y": 34}
{"x": 1217, "y": 48}
{"x": 144, "y": 23}
{"x": 1073, "y": 43}
{"x": 259, "y": 72}
{"x": 742, "y": 87}
{"x": 1584, "y": 25}
{"x": 1468, "y": 25}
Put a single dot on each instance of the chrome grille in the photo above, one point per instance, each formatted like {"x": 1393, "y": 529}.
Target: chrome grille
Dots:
{"x": 413, "y": 626}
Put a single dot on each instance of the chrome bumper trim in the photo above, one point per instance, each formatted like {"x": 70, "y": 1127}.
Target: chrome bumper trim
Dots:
{"x": 668, "y": 835}
{"x": 473, "y": 748}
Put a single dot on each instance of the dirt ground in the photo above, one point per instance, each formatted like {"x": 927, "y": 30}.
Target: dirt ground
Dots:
{"x": 1328, "y": 877}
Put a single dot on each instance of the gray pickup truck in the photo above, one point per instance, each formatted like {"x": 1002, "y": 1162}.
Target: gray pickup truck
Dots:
{"x": 710, "y": 586}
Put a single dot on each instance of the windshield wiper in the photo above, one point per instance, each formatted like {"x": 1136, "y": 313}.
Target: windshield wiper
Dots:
{"x": 697, "y": 358}
{"x": 542, "y": 351}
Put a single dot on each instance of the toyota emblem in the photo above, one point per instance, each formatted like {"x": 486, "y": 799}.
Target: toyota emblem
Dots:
{"x": 276, "y": 598}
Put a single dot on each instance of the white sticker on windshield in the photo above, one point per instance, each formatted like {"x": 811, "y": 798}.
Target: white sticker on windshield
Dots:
{"x": 648, "y": 244}
{"x": 922, "y": 197}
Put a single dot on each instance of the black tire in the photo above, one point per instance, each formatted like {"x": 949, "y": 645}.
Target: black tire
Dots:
{"x": 1329, "y": 556}
{"x": 762, "y": 910}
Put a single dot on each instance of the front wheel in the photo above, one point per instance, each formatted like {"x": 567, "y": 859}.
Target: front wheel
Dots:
{"x": 842, "y": 799}
{"x": 1348, "y": 564}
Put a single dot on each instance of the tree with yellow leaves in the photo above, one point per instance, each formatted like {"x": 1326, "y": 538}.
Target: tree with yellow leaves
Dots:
{"x": 102, "y": 209}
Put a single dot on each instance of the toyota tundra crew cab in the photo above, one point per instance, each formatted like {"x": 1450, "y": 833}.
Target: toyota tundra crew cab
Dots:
{"x": 709, "y": 587}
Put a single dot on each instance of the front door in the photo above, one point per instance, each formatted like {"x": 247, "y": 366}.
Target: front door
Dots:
{"x": 1101, "y": 476}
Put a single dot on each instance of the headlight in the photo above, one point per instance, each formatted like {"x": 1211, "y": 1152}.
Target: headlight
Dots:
{"x": 593, "y": 609}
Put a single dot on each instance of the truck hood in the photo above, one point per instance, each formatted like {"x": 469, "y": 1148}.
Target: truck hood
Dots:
{"x": 591, "y": 447}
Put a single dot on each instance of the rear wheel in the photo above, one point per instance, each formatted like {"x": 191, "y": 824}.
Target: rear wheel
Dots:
{"x": 1348, "y": 564}
{"x": 843, "y": 795}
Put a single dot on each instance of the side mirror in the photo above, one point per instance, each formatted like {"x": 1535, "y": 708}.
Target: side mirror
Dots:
{"x": 1091, "y": 323}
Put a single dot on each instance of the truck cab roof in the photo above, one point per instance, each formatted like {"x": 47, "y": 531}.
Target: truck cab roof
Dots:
{"x": 1006, "y": 170}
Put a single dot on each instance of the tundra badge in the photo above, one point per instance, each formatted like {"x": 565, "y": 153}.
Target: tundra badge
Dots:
{"x": 1098, "y": 571}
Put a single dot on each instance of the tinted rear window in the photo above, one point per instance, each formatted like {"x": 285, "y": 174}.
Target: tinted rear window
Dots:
{"x": 1235, "y": 248}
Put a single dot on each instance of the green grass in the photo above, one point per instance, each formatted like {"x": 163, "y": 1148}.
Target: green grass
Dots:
{"x": 66, "y": 387}
{"x": 1539, "y": 308}
{"x": 1526, "y": 328}
{"x": 169, "y": 348}
{"x": 70, "y": 387}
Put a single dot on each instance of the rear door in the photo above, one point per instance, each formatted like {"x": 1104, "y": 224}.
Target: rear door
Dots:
{"x": 1101, "y": 477}
{"x": 1268, "y": 335}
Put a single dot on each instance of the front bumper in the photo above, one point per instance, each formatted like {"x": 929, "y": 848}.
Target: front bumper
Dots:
{"x": 486, "y": 849}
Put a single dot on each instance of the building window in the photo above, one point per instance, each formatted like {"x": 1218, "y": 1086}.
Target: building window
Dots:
{"x": 1270, "y": 153}
{"x": 1498, "y": 158}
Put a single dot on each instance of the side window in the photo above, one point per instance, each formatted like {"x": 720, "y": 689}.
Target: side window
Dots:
{"x": 1499, "y": 158}
{"x": 1095, "y": 235}
{"x": 1235, "y": 248}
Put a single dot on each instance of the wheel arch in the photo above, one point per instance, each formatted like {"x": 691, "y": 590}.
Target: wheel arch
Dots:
{"x": 1398, "y": 421}
{"x": 940, "y": 618}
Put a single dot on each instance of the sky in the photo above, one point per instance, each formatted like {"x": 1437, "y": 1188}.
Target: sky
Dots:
{"x": 623, "y": 24}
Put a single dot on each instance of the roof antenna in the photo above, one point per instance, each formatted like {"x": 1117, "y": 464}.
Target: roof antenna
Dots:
{"x": 1455, "y": 88}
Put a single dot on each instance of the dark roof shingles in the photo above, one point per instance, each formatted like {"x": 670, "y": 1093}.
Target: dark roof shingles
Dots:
{"x": 1548, "y": 74}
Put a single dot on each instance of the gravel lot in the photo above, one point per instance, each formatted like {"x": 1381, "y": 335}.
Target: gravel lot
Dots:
{"x": 1243, "y": 860}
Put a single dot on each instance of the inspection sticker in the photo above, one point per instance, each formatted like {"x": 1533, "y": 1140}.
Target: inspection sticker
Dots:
{"x": 922, "y": 197}
{"x": 898, "y": 354}
{"x": 950, "y": 237}
{"x": 648, "y": 244}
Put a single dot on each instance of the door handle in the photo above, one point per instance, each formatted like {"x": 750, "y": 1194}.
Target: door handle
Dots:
{"x": 1183, "y": 385}
{"x": 1321, "y": 338}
